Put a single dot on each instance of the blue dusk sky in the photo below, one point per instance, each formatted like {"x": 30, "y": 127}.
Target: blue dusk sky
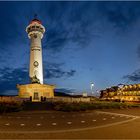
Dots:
{"x": 84, "y": 42}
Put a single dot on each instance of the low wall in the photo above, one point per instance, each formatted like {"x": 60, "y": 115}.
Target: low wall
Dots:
{"x": 55, "y": 99}
{"x": 69, "y": 99}
{"x": 10, "y": 99}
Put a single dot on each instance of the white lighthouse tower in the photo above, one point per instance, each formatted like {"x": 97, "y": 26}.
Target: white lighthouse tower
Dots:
{"x": 35, "y": 32}
{"x": 36, "y": 91}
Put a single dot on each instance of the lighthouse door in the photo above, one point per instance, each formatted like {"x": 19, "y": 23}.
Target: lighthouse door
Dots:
{"x": 36, "y": 96}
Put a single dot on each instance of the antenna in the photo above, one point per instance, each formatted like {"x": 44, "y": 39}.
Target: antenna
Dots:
{"x": 35, "y": 16}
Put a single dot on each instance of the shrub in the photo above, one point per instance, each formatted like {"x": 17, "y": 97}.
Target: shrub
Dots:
{"x": 63, "y": 106}
{"x": 10, "y": 107}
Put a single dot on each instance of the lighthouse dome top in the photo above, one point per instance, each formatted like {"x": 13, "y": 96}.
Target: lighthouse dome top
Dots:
{"x": 35, "y": 20}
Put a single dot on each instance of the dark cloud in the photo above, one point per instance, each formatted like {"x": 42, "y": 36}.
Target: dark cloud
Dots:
{"x": 68, "y": 24}
{"x": 70, "y": 73}
{"x": 134, "y": 77}
{"x": 65, "y": 90}
{"x": 56, "y": 40}
{"x": 58, "y": 73}
{"x": 55, "y": 70}
{"x": 9, "y": 77}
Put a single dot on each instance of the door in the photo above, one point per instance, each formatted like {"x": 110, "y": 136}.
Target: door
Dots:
{"x": 36, "y": 96}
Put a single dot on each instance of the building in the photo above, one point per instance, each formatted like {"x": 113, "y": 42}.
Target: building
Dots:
{"x": 36, "y": 90}
{"x": 122, "y": 93}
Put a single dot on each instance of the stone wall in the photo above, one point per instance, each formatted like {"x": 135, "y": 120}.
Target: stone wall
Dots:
{"x": 10, "y": 99}
{"x": 69, "y": 99}
{"x": 55, "y": 99}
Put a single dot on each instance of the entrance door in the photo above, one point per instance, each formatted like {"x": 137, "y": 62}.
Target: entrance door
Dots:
{"x": 36, "y": 96}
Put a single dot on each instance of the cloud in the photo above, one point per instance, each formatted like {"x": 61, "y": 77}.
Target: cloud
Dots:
{"x": 65, "y": 90}
{"x": 56, "y": 40}
{"x": 70, "y": 73}
{"x": 58, "y": 73}
{"x": 68, "y": 24}
{"x": 134, "y": 77}
{"x": 82, "y": 22}
{"x": 55, "y": 70}
{"x": 9, "y": 77}
{"x": 9, "y": 92}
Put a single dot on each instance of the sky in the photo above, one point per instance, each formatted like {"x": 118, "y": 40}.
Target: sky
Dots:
{"x": 84, "y": 43}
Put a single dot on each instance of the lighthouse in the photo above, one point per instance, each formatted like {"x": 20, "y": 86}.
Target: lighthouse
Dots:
{"x": 35, "y": 31}
{"x": 36, "y": 90}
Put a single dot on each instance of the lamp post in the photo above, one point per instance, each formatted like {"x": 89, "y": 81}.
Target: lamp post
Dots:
{"x": 91, "y": 87}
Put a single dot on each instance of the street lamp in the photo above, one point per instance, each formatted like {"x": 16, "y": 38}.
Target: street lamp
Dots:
{"x": 91, "y": 87}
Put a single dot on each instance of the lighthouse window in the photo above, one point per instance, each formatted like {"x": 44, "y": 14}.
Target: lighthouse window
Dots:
{"x": 33, "y": 26}
{"x": 37, "y": 26}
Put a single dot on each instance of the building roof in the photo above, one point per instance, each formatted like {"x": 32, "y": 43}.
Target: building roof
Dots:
{"x": 35, "y": 20}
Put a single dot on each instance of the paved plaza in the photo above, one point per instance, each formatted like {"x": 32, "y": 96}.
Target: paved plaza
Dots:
{"x": 65, "y": 125}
